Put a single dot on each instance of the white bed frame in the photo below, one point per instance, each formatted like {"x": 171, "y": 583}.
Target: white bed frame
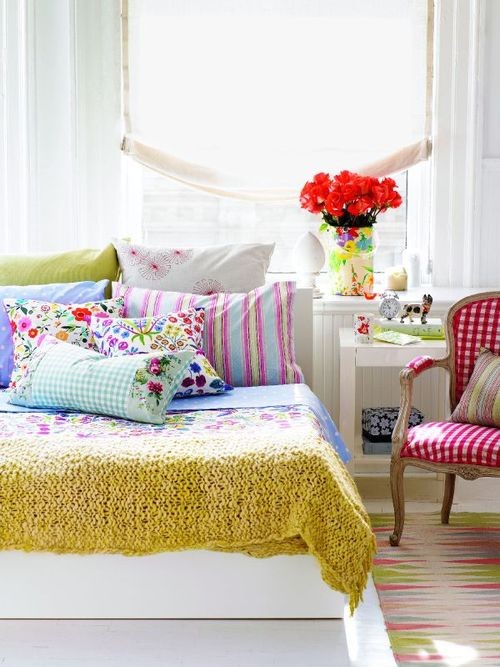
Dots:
{"x": 189, "y": 584}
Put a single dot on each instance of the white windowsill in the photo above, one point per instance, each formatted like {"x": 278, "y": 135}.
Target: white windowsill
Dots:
{"x": 443, "y": 298}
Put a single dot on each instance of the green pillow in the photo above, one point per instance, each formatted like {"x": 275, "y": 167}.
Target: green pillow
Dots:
{"x": 64, "y": 267}
{"x": 62, "y": 376}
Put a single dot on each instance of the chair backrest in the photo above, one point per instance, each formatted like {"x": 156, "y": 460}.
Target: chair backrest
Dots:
{"x": 472, "y": 323}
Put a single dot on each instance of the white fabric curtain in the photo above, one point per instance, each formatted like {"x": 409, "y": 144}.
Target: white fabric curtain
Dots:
{"x": 250, "y": 99}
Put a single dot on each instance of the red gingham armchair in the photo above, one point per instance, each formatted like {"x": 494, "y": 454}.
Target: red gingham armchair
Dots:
{"x": 467, "y": 450}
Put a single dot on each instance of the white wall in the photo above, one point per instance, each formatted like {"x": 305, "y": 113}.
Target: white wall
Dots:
{"x": 489, "y": 226}
{"x": 60, "y": 124}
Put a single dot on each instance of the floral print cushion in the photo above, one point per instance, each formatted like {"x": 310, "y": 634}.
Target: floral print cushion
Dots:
{"x": 31, "y": 321}
{"x": 67, "y": 377}
{"x": 200, "y": 378}
{"x": 172, "y": 332}
{"x": 168, "y": 333}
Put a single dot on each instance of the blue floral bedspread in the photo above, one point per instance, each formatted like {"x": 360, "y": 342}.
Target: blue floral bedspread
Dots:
{"x": 261, "y": 408}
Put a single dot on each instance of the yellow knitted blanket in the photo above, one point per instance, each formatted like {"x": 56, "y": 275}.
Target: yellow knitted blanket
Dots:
{"x": 144, "y": 495}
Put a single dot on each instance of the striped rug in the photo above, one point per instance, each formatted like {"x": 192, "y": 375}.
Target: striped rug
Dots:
{"x": 440, "y": 589}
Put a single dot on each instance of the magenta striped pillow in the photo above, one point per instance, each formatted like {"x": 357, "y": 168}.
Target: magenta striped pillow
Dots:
{"x": 248, "y": 338}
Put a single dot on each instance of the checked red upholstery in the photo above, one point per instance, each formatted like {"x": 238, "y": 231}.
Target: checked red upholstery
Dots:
{"x": 450, "y": 442}
{"x": 475, "y": 325}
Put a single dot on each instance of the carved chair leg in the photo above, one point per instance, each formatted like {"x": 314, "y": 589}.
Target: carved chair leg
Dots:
{"x": 449, "y": 490}
{"x": 398, "y": 500}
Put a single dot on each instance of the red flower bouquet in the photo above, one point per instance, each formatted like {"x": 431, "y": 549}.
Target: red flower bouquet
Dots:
{"x": 349, "y": 199}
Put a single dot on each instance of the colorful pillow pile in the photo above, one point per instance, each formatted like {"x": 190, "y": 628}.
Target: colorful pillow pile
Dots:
{"x": 68, "y": 377}
{"x": 246, "y": 333}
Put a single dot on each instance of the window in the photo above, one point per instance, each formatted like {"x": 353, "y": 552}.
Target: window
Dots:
{"x": 175, "y": 215}
{"x": 265, "y": 94}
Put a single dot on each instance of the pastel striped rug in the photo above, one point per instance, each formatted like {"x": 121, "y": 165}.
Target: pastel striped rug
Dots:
{"x": 440, "y": 589}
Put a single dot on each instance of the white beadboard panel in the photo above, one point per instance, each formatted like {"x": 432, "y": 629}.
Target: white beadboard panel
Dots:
{"x": 326, "y": 358}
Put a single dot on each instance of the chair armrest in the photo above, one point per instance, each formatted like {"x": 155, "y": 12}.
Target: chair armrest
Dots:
{"x": 412, "y": 369}
{"x": 420, "y": 364}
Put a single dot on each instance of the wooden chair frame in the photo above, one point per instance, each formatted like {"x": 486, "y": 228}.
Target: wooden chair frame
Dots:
{"x": 400, "y": 433}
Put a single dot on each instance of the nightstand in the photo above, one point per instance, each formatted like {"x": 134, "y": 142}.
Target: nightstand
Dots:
{"x": 355, "y": 355}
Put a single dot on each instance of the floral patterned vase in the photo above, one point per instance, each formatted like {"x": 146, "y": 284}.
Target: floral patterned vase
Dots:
{"x": 351, "y": 260}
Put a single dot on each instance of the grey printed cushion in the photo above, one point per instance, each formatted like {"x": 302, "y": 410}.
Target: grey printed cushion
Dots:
{"x": 378, "y": 423}
{"x": 58, "y": 375}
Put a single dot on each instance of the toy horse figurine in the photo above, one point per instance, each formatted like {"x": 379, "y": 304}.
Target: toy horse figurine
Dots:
{"x": 418, "y": 309}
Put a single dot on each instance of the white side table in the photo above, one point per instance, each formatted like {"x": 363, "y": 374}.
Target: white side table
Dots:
{"x": 354, "y": 355}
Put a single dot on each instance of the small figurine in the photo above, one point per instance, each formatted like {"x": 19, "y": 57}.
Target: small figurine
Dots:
{"x": 417, "y": 309}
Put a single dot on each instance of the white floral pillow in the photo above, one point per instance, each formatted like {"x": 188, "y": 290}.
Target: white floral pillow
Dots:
{"x": 224, "y": 268}
{"x": 167, "y": 333}
{"x": 31, "y": 321}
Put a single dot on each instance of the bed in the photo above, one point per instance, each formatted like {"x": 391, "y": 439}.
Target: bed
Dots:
{"x": 79, "y": 541}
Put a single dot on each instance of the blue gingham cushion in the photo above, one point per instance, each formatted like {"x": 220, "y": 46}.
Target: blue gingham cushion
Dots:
{"x": 67, "y": 377}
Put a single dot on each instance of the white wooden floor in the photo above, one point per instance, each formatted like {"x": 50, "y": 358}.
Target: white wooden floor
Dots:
{"x": 199, "y": 643}
{"x": 360, "y": 641}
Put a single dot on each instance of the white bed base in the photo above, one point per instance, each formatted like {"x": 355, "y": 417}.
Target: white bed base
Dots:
{"x": 189, "y": 584}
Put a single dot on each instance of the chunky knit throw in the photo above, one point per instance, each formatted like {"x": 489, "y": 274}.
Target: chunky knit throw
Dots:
{"x": 145, "y": 495}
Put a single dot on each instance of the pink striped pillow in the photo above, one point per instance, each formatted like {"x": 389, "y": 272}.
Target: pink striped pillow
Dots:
{"x": 248, "y": 338}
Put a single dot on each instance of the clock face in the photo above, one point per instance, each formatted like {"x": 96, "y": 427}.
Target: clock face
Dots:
{"x": 389, "y": 307}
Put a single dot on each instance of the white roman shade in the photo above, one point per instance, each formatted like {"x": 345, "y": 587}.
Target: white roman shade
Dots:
{"x": 250, "y": 99}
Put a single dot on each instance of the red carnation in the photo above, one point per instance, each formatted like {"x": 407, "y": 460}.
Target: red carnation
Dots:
{"x": 334, "y": 203}
{"x": 315, "y": 192}
{"x": 360, "y": 206}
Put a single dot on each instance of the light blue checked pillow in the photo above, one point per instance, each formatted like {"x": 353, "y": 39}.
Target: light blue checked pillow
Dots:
{"x": 59, "y": 375}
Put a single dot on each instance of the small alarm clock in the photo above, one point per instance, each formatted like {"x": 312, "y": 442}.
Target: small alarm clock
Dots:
{"x": 389, "y": 305}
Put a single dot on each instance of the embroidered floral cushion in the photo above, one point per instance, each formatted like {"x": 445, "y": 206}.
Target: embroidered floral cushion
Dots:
{"x": 169, "y": 333}
{"x": 32, "y": 320}
{"x": 166, "y": 333}
{"x": 248, "y": 338}
{"x": 67, "y": 377}
{"x": 480, "y": 402}
{"x": 60, "y": 292}
{"x": 224, "y": 268}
